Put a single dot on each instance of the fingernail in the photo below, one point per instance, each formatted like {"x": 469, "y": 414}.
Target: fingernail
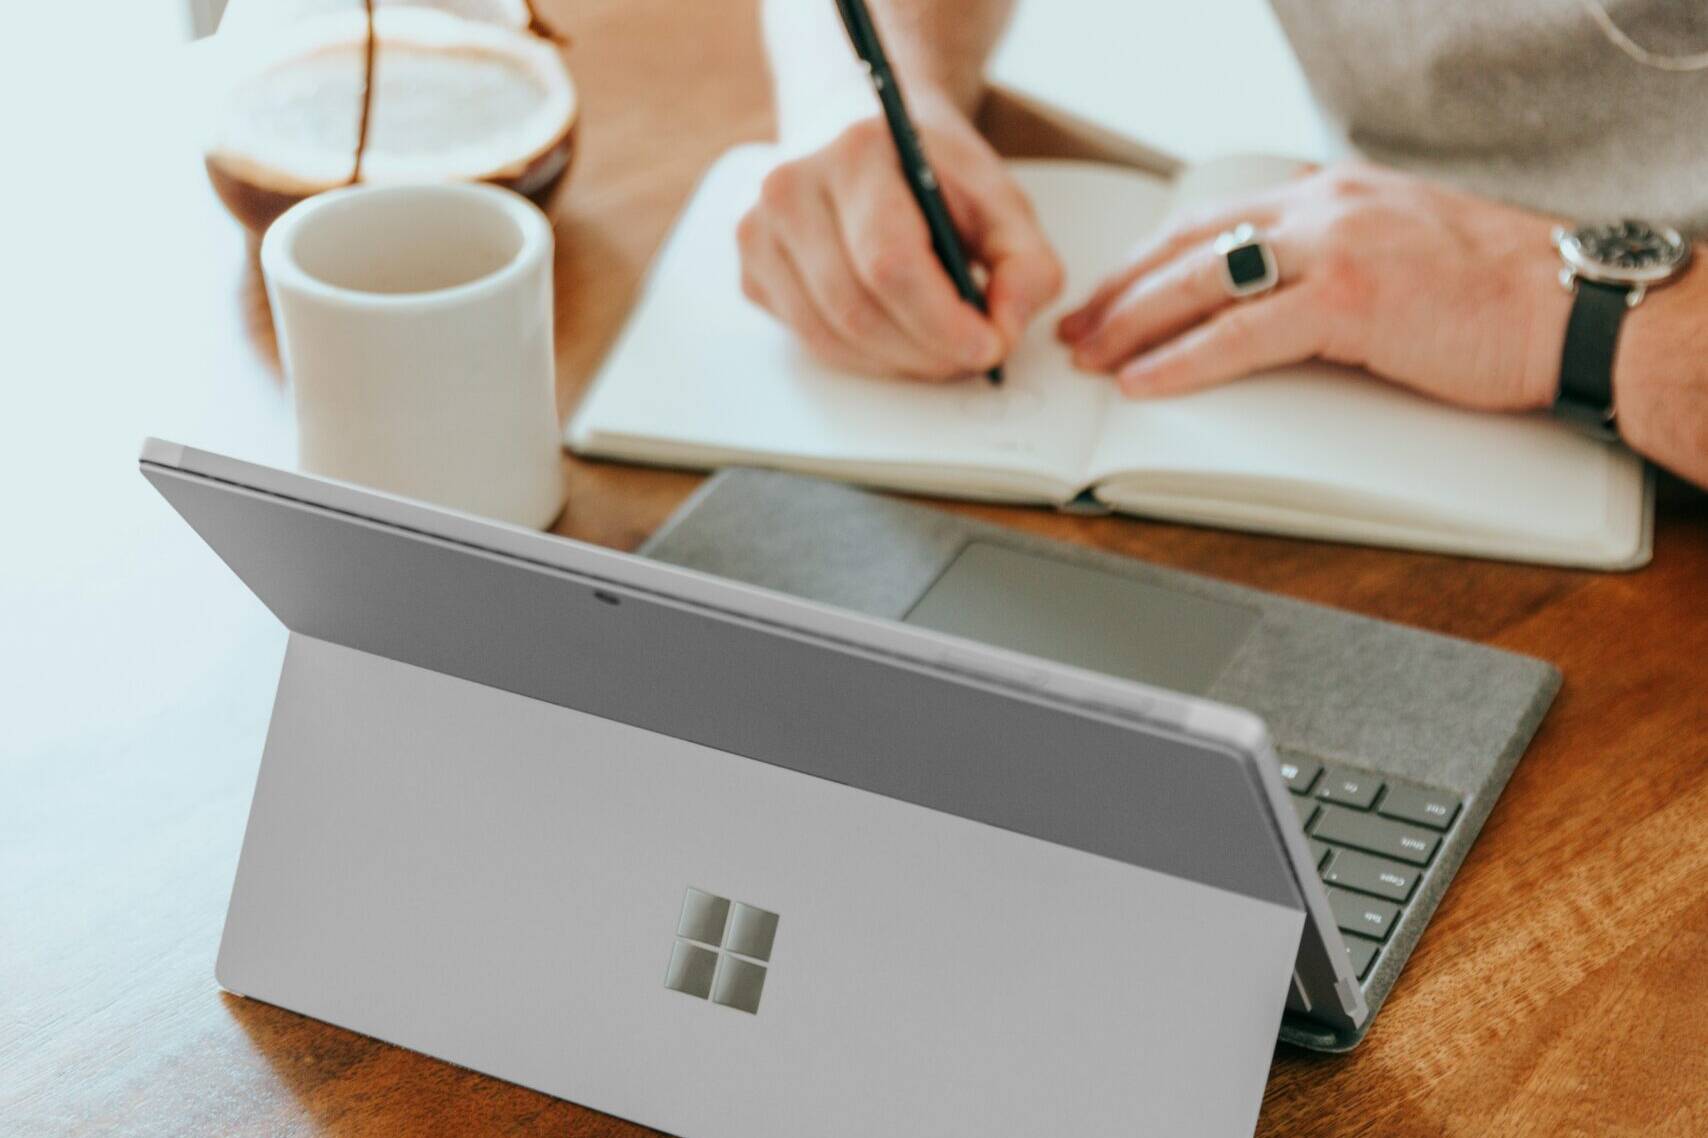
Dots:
{"x": 1133, "y": 378}
{"x": 1069, "y": 327}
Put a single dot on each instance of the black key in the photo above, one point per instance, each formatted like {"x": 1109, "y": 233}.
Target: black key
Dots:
{"x": 1319, "y": 851}
{"x": 1362, "y": 953}
{"x": 1299, "y": 774}
{"x": 1433, "y": 808}
{"x": 1367, "y": 874}
{"x": 1356, "y": 913}
{"x": 1375, "y": 835}
{"x": 1349, "y": 788}
{"x": 1306, "y": 810}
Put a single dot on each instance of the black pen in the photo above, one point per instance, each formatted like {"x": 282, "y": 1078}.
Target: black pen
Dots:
{"x": 921, "y": 179}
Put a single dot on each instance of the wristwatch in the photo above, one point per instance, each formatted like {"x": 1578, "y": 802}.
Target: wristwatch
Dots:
{"x": 1610, "y": 267}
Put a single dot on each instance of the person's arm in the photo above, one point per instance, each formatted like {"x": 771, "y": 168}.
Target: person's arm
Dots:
{"x": 938, "y": 48}
{"x": 837, "y": 249}
{"x": 1660, "y": 374}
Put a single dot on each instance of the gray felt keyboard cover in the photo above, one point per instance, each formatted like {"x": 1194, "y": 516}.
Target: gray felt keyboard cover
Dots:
{"x": 1334, "y": 686}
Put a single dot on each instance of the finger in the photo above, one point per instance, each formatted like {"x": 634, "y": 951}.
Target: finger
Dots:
{"x": 887, "y": 242}
{"x": 1025, "y": 274}
{"x": 814, "y": 245}
{"x": 1176, "y": 295}
{"x": 770, "y": 280}
{"x": 1154, "y": 307}
{"x": 1149, "y": 254}
{"x": 1284, "y": 327}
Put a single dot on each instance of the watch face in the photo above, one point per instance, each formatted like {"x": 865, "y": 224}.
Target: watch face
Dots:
{"x": 1625, "y": 251}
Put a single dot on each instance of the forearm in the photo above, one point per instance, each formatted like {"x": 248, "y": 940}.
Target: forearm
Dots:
{"x": 938, "y": 48}
{"x": 943, "y": 45}
{"x": 1660, "y": 374}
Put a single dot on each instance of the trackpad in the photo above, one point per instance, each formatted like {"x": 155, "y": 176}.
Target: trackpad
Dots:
{"x": 1085, "y": 617}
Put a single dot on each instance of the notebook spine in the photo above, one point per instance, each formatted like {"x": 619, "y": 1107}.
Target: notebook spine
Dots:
{"x": 1087, "y": 504}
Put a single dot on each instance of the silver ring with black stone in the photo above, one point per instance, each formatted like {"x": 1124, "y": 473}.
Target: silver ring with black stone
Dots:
{"x": 1248, "y": 263}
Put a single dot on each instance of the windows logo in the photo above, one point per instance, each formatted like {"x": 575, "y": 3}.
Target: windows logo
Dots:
{"x": 722, "y": 948}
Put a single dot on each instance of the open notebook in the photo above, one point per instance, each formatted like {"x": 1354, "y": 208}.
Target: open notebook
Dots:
{"x": 702, "y": 378}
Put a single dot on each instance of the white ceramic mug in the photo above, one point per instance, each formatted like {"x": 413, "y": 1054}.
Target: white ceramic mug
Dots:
{"x": 415, "y": 326}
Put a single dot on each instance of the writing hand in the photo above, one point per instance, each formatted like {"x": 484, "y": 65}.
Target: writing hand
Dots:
{"x": 837, "y": 249}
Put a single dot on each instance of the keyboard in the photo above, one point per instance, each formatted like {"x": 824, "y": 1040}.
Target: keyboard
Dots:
{"x": 1374, "y": 840}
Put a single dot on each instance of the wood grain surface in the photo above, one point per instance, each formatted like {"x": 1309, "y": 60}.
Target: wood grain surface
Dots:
{"x": 1561, "y": 990}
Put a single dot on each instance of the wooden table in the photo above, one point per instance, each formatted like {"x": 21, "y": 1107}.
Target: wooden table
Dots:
{"x": 1562, "y": 989}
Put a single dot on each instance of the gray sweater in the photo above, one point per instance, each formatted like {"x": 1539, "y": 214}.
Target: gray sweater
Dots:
{"x": 1528, "y": 101}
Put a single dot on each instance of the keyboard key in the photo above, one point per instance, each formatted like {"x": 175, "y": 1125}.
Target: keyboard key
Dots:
{"x": 1375, "y": 835}
{"x": 1299, "y": 774}
{"x": 1349, "y": 788}
{"x": 1319, "y": 851}
{"x": 1306, "y": 810}
{"x": 1433, "y": 808}
{"x": 1353, "y": 870}
{"x": 1362, "y": 953}
{"x": 1355, "y": 913}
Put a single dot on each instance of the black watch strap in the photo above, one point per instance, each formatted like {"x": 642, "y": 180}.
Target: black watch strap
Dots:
{"x": 1586, "y": 366}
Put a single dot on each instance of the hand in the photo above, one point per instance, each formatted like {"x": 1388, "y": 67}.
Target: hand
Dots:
{"x": 1452, "y": 295}
{"x": 837, "y": 249}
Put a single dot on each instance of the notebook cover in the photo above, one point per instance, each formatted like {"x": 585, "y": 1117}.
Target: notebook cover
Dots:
{"x": 1332, "y": 685}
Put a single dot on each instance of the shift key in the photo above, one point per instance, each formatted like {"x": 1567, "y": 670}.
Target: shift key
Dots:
{"x": 1376, "y": 835}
